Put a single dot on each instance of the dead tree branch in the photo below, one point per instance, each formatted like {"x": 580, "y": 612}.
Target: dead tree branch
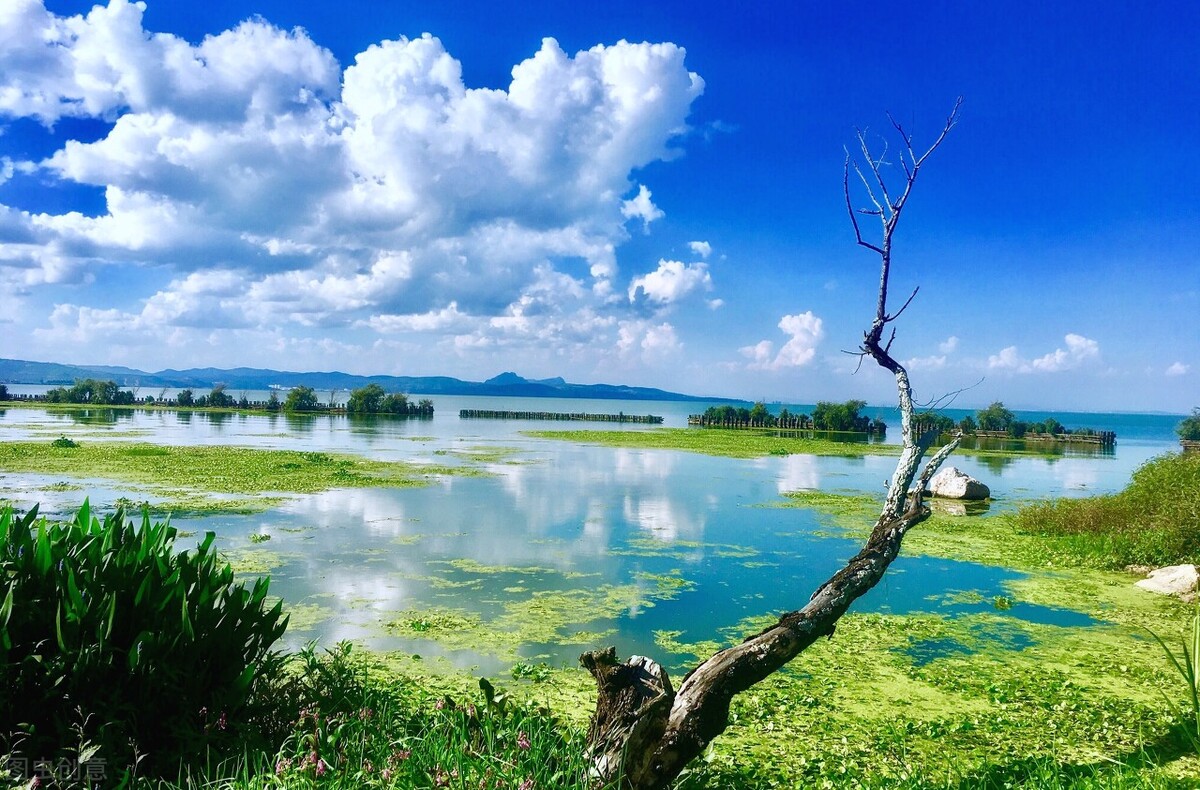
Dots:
{"x": 644, "y": 732}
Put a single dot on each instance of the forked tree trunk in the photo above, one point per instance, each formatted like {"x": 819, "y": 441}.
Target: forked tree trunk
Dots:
{"x": 644, "y": 732}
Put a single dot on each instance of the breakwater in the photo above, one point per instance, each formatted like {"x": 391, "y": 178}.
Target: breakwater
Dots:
{"x": 487, "y": 414}
{"x": 1102, "y": 438}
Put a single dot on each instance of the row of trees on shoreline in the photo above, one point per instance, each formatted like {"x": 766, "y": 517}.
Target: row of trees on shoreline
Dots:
{"x": 369, "y": 400}
{"x": 374, "y": 399}
{"x": 996, "y": 419}
{"x": 826, "y": 416}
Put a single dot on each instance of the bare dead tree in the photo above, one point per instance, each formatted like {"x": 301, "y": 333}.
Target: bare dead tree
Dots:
{"x": 644, "y": 732}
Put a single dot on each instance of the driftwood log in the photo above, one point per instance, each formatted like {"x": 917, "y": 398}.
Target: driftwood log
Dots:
{"x": 644, "y": 732}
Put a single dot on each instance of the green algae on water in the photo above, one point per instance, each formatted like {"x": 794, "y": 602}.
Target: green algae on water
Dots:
{"x": 205, "y": 479}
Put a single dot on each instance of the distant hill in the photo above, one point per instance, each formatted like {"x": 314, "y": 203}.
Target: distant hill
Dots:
{"x": 17, "y": 371}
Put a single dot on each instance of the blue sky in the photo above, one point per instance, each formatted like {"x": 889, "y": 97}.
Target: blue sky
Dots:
{"x": 619, "y": 192}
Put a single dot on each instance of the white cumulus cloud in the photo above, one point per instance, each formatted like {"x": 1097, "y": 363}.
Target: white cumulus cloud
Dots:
{"x": 805, "y": 332}
{"x": 926, "y": 363}
{"x": 1079, "y": 351}
{"x": 670, "y": 282}
{"x": 647, "y": 340}
{"x": 276, "y": 187}
{"x": 641, "y": 207}
{"x": 701, "y": 248}
{"x": 1007, "y": 359}
{"x": 1178, "y": 369}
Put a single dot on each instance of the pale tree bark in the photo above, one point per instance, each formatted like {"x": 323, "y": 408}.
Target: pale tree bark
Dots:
{"x": 644, "y": 732}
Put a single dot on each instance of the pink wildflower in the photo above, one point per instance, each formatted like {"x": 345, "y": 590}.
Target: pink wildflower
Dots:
{"x": 523, "y": 741}
{"x": 527, "y": 784}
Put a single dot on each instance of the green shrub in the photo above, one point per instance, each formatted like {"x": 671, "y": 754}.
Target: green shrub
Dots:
{"x": 63, "y": 442}
{"x": 995, "y": 418}
{"x": 1189, "y": 429}
{"x": 829, "y": 416}
{"x": 1155, "y": 520}
{"x": 219, "y": 398}
{"x": 301, "y": 399}
{"x": 110, "y": 637}
{"x": 93, "y": 391}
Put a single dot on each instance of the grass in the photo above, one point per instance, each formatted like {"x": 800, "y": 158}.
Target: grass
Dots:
{"x": 1154, "y": 521}
{"x": 362, "y": 730}
{"x": 751, "y": 443}
{"x": 202, "y": 478}
{"x": 853, "y": 712}
{"x": 732, "y": 444}
{"x": 353, "y": 726}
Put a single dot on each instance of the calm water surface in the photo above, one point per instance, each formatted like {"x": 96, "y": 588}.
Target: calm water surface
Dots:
{"x": 560, "y": 517}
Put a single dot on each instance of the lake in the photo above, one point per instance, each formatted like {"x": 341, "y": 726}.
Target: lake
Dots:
{"x": 565, "y": 547}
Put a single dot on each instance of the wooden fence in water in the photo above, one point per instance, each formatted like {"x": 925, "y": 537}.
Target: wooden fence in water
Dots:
{"x": 792, "y": 423}
{"x": 562, "y": 416}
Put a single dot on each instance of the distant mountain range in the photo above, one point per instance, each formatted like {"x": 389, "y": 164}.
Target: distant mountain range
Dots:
{"x": 17, "y": 371}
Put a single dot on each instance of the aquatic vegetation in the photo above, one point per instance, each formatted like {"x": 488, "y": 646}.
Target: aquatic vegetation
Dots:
{"x": 752, "y": 443}
{"x": 973, "y": 701}
{"x": 483, "y": 454}
{"x": 471, "y": 566}
{"x": 734, "y": 444}
{"x": 304, "y": 616}
{"x": 579, "y": 617}
{"x": 187, "y": 478}
{"x": 944, "y": 701}
{"x": 538, "y": 673}
{"x": 253, "y": 561}
{"x": 62, "y": 486}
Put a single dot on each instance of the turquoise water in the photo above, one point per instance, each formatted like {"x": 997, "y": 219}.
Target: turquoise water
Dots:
{"x": 561, "y": 517}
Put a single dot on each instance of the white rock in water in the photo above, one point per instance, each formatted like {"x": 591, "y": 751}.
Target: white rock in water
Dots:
{"x": 1177, "y": 580}
{"x": 952, "y": 483}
